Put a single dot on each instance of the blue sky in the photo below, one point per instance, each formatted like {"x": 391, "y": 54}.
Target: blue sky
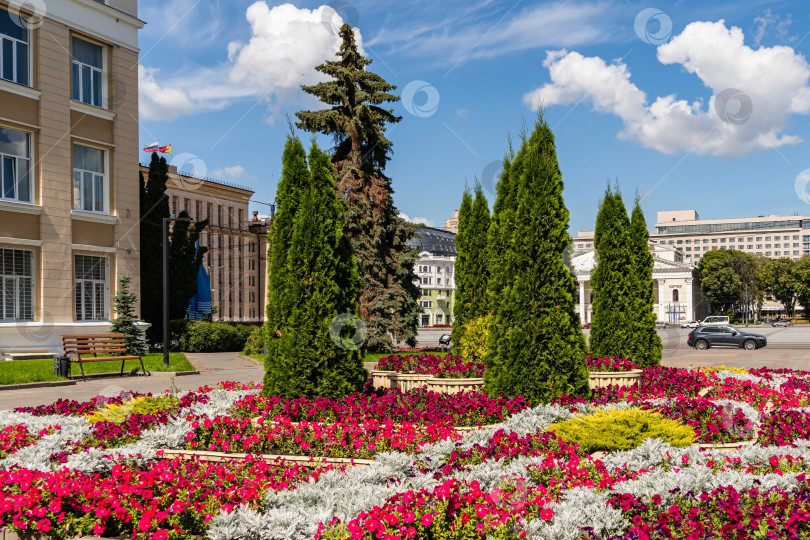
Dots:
{"x": 694, "y": 104}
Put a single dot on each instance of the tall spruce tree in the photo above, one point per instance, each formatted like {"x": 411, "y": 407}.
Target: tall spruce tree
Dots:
{"x": 154, "y": 207}
{"x": 536, "y": 344}
{"x": 461, "y": 270}
{"x": 294, "y": 181}
{"x": 612, "y": 327}
{"x": 322, "y": 283}
{"x": 646, "y": 347}
{"x": 357, "y": 121}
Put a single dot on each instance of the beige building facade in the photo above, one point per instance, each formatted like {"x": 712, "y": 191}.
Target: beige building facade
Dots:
{"x": 772, "y": 236}
{"x": 237, "y": 246}
{"x": 675, "y": 285}
{"x": 69, "y": 205}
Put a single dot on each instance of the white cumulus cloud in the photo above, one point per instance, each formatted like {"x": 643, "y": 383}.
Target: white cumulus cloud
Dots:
{"x": 156, "y": 102}
{"x": 418, "y": 220}
{"x": 286, "y": 44}
{"x": 767, "y": 85}
{"x": 231, "y": 172}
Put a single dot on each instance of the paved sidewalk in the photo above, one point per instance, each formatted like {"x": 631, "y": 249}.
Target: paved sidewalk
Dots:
{"x": 213, "y": 367}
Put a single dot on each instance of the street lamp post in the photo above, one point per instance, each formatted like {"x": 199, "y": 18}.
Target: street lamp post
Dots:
{"x": 166, "y": 222}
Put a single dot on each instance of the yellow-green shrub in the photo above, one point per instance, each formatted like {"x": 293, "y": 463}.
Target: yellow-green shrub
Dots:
{"x": 622, "y": 430}
{"x": 474, "y": 342}
{"x": 724, "y": 368}
{"x": 140, "y": 405}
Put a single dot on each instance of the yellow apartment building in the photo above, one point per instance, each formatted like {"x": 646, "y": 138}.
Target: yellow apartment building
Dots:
{"x": 69, "y": 205}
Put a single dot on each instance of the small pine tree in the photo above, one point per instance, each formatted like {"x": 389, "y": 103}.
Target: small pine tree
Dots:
{"x": 536, "y": 349}
{"x": 461, "y": 269}
{"x": 294, "y": 180}
{"x": 613, "y": 324}
{"x": 646, "y": 348}
{"x": 123, "y": 323}
{"x": 323, "y": 285}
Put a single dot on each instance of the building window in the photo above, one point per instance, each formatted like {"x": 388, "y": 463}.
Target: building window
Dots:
{"x": 14, "y": 57}
{"x": 15, "y": 153}
{"x": 675, "y": 295}
{"x": 767, "y": 253}
{"x": 16, "y": 285}
{"x": 88, "y": 73}
{"x": 767, "y": 238}
{"x": 776, "y": 253}
{"x": 91, "y": 288}
{"x": 722, "y": 240}
{"x": 89, "y": 179}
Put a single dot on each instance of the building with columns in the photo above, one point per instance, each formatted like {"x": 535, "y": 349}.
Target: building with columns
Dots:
{"x": 677, "y": 294}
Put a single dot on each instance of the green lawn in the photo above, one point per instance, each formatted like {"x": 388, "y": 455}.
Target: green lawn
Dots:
{"x": 26, "y": 371}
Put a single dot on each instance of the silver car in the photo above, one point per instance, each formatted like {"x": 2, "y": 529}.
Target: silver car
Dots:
{"x": 780, "y": 323}
{"x": 690, "y": 324}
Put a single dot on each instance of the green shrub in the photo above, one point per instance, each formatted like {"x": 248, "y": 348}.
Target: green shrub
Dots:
{"x": 622, "y": 430}
{"x": 215, "y": 337}
{"x": 140, "y": 405}
{"x": 255, "y": 341}
{"x": 473, "y": 343}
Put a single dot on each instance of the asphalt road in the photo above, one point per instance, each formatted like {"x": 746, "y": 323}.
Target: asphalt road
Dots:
{"x": 787, "y": 347}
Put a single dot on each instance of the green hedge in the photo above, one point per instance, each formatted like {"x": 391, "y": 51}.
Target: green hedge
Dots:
{"x": 194, "y": 336}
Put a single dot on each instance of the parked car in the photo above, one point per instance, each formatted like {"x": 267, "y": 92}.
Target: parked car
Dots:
{"x": 780, "y": 323}
{"x": 444, "y": 341}
{"x": 704, "y": 337}
{"x": 660, "y": 324}
{"x": 586, "y": 325}
{"x": 690, "y": 324}
{"x": 715, "y": 320}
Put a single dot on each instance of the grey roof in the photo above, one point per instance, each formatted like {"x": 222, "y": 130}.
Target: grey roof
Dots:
{"x": 436, "y": 241}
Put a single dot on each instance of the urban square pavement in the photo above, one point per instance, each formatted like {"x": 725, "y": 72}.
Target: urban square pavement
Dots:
{"x": 787, "y": 347}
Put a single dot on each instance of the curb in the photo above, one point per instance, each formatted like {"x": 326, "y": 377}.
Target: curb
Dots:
{"x": 114, "y": 374}
{"x": 243, "y": 357}
{"x": 43, "y": 384}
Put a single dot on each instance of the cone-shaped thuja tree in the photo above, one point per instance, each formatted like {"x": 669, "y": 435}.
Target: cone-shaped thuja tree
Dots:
{"x": 295, "y": 179}
{"x": 357, "y": 121}
{"x": 535, "y": 338}
{"x": 472, "y": 263}
{"x": 479, "y": 263}
{"x": 154, "y": 207}
{"x": 461, "y": 270}
{"x": 322, "y": 284}
{"x": 613, "y": 324}
{"x": 646, "y": 346}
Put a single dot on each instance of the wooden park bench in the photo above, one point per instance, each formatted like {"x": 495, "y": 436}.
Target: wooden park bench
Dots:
{"x": 103, "y": 347}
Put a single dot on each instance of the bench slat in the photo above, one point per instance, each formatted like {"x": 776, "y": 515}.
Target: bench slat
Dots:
{"x": 107, "y": 359}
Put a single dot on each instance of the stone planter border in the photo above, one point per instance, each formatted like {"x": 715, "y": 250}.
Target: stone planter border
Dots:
{"x": 307, "y": 461}
{"x": 728, "y": 447}
{"x": 411, "y": 381}
{"x": 600, "y": 379}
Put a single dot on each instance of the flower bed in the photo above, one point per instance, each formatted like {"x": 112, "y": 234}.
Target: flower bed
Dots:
{"x": 64, "y": 475}
{"x": 443, "y": 367}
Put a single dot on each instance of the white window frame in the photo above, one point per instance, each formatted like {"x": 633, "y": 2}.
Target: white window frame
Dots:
{"x": 17, "y": 159}
{"x": 105, "y": 182}
{"x": 78, "y": 311}
{"x": 16, "y": 279}
{"x": 29, "y": 57}
{"x": 104, "y": 71}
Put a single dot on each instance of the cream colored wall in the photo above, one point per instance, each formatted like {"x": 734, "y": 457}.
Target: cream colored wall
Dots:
{"x": 55, "y": 128}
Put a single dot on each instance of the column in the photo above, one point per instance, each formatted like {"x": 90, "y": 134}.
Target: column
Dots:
{"x": 662, "y": 297}
{"x": 690, "y": 311}
{"x": 582, "y": 302}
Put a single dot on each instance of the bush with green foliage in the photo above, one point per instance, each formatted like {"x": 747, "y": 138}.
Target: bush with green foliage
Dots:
{"x": 622, "y": 430}
{"x": 255, "y": 341}
{"x": 119, "y": 413}
{"x": 475, "y": 339}
{"x": 215, "y": 337}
